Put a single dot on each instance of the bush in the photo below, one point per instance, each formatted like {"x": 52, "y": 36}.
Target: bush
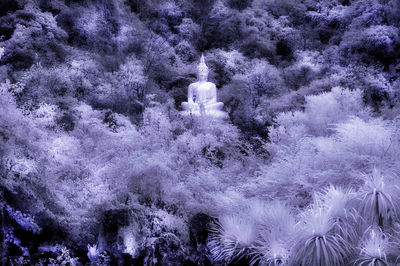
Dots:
{"x": 66, "y": 122}
{"x": 257, "y": 47}
{"x": 221, "y": 29}
{"x": 307, "y": 67}
{"x": 7, "y": 26}
{"x": 231, "y": 239}
{"x": 186, "y": 51}
{"x": 29, "y": 43}
{"x": 377, "y": 205}
{"x": 376, "y": 43}
{"x": 239, "y": 4}
{"x": 93, "y": 27}
{"x": 374, "y": 249}
{"x": 188, "y": 30}
{"x": 322, "y": 112}
{"x": 320, "y": 245}
{"x": 265, "y": 81}
{"x": 200, "y": 8}
{"x": 281, "y": 7}
{"x": 19, "y": 58}
{"x": 276, "y": 235}
{"x": 330, "y": 23}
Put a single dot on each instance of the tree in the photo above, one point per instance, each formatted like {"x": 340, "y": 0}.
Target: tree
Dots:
{"x": 376, "y": 43}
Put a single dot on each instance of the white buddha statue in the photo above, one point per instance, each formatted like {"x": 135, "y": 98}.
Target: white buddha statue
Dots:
{"x": 202, "y": 96}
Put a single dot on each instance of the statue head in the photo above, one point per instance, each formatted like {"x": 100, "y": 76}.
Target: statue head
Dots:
{"x": 202, "y": 69}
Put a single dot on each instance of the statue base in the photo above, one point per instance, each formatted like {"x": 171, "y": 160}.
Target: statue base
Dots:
{"x": 216, "y": 114}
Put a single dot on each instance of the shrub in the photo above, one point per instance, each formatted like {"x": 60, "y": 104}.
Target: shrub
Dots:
{"x": 239, "y": 4}
{"x": 320, "y": 245}
{"x": 276, "y": 235}
{"x": 66, "y": 122}
{"x": 369, "y": 14}
{"x": 281, "y": 8}
{"x": 231, "y": 238}
{"x": 201, "y": 8}
{"x": 374, "y": 248}
{"x": 330, "y": 22}
{"x": 25, "y": 221}
{"x": 372, "y": 140}
{"x": 376, "y": 43}
{"x": 221, "y": 71}
{"x": 64, "y": 257}
{"x": 188, "y": 30}
{"x": 322, "y": 112}
{"x": 185, "y": 51}
{"x": 17, "y": 55}
{"x": 265, "y": 80}
{"x": 93, "y": 27}
{"x": 221, "y": 29}
{"x": 256, "y": 46}
{"x": 377, "y": 205}
{"x": 308, "y": 65}
{"x": 7, "y": 26}
{"x": 34, "y": 34}
{"x": 44, "y": 83}
{"x": 339, "y": 204}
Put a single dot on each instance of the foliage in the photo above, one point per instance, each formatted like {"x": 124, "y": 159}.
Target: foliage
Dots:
{"x": 320, "y": 244}
{"x": 374, "y": 249}
{"x": 377, "y": 205}
{"x": 90, "y": 96}
{"x": 64, "y": 257}
{"x": 277, "y": 233}
{"x": 233, "y": 236}
{"x": 378, "y": 43}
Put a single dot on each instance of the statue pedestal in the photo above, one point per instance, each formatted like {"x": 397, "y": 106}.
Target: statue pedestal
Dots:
{"x": 206, "y": 114}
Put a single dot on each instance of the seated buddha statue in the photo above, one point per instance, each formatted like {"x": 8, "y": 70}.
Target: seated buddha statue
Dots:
{"x": 202, "y": 96}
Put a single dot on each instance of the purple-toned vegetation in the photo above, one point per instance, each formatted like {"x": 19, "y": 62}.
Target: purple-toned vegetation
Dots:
{"x": 98, "y": 166}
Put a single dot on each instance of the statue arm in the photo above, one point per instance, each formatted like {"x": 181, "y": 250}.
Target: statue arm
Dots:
{"x": 214, "y": 93}
{"x": 190, "y": 94}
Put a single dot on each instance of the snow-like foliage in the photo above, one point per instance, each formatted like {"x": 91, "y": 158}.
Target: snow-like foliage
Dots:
{"x": 276, "y": 236}
{"x": 320, "y": 244}
{"x": 377, "y": 205}
{"x": 64, "y": 257}
{"x": 374, "y": 248}
{"x": 336, "y": 200}
{"x": 26, "y": 221}
{"x": 232, "y": 239}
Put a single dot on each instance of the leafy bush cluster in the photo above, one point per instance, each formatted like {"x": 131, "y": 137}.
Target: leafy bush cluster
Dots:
{"x": 335, "y": 229}
{"x": 345, "y": 160}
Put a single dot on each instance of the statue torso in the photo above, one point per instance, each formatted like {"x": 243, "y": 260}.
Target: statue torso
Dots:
{"x": 203, "y": 91}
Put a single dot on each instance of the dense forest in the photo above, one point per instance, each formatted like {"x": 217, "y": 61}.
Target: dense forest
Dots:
{"x": 98, "y": 166}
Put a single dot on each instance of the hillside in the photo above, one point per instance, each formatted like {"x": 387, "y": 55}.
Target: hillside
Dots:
{"x": 98, "y": 166}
